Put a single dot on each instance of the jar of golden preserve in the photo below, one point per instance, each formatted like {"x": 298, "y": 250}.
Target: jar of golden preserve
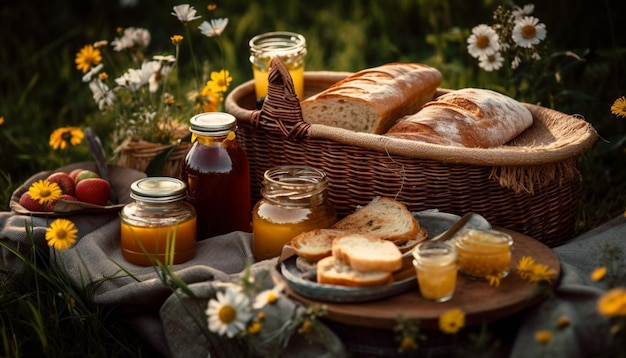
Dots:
{"x": 159, "y": 226}
{"x": 483, "y": 253}
{"x": 294, "y": 200}
{"x": 217, "y": 175}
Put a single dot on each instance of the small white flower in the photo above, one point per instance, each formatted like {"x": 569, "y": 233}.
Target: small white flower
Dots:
{"x": 516, "y": 62}
{"x": 229, "y": 313}
{"x": 134, "y": 79}
{"x": 185, "y": 13}
{"x": 536, "y": 56}
{"x": 102, "y": 94}
{"x": 484, "y": 41}
{"x": 491, "y": 63}
{"x": 168, "y": 58}
{"x": 132, "y": 37}
{"x": 214, "y": 27}
{"x": 159, "y": 75}
{"x": 93, "y": 71}
{"x": 528, "y": 32}
{"x": 267, "y": 297}
{"x": 518, "y": 12}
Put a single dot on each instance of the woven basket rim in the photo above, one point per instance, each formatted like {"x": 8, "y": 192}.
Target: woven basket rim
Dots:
{"x": 578, "y": 137}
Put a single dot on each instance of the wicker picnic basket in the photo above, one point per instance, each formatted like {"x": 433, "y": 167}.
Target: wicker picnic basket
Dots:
{"x": 138, "y": 155}
{"x": 530, "y": 185}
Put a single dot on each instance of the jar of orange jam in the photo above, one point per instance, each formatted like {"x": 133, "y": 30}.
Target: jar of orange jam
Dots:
{"x": 294, "y": 200}
{"x": 436, "y": 268}
{"x": 483, "y": 253}
{"x": 159, "y": 226}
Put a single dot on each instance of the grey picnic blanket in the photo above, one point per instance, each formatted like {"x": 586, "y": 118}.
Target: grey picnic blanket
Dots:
{"x": 162, "y": 316}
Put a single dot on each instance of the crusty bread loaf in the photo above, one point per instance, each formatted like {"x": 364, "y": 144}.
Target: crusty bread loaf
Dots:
{"x": 372, "y": 100}
{"x": 365, "y": 253}
{"x": 334, "y": 272}
{"x": 469, "y": 117}
{"x": 316, "y": 244}
{"x": 384, "y": 218}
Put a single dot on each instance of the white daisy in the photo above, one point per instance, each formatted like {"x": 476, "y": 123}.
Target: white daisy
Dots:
{"x": 491, "y": 63}
{"x": 484, "y": 41}
{"x": 528, "y": 32}
{"x": 132, "y": 37}
{"x": 214, "y": 27}
{"x": 267, "y": 297}
{"x": 102, "y": 94}
{"x": 516, "y": 62}
{"x": 185, "y": 13}
{"x": 518, "y": 12}
{"x": 93, "y": 71}
{"x": 229, "y": 313}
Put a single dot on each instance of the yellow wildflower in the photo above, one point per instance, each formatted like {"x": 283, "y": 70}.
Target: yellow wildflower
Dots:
{"x": 563, "y": 322}
{"x": 61, "y": 234}
{"x": 45, "y": 191}
{"x": 1, "y": 120}
{"x": 407, "y": 344}
{"x": 306, "y": 327}
{"x": 61, "y": 137}
{"x": 543, "y": 337}
{"x": 177, "y": 39}
{"x": 613, "y": 302}
{"x": 494, "y": 280}
{"x": 619, "y": 107}
{"x": 255, "y": 327}
{"x": 598, "y": 274}
{"x": 220, "y": 81}
{"x": 541, "y": 272}
{"x": 452, "y": 321}
{"x": 87, "y": 58}
{"x": 525, "y": 267}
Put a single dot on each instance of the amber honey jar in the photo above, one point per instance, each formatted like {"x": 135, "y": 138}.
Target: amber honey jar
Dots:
{"x": 483, "y": 253}
{"x": 217, "y": 175}
{"x": 159, "y": 226}
{"x": 294, "y": 200}
{"x": 436, "y": 269}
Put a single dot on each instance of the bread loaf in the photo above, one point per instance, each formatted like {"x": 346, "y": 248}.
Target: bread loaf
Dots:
{"x": 331, "y": 271}
{"x": 384, "y": 218}
{"x": 316, "y": 244}
{"x": 470, "y": 117}
{"x": 372, "y": 100}
{"x": 365, "y": 253}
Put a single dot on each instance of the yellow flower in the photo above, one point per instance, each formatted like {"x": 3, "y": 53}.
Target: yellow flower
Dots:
{"x": 613, "y": 302}
{"x": 219, "y": 83}
{"x": 525, "y": 267}
{"x": 407, "y": 344}
{"x": 532, "y": 272}
{"x": 619, "y": 107}
{"x": 61, "y": 234}
{"x": 255, "y": 327}
{"x": 563, "y": 322}
{"x": 1, "y": 120}
{"x": 177, "y": 39}
{"x": 598, "y": 274}
{"x": 61, "y": 137}
{"x": 543, "y": 337}
{"x": 494, "y": 280}
{"x": 44, "y": 191}
{"x": 452, "y": 321}
{"x": 306, "y": 326}
{"x": 87, "y": 57}
{"x": 211, "y": 7}
{"x": 208, "y": 101}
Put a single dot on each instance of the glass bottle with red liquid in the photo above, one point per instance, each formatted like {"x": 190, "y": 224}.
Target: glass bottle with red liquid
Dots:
{"x": 217, "y": 175}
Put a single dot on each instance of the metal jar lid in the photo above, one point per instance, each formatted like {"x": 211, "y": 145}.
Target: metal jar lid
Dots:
{"x": 158, "y": 189}
{"x": 213, "y": 123}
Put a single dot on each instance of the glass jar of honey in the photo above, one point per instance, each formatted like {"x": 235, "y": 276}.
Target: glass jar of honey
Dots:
{"x": 217, "y": 175}
{"x": 289, "y": 47}
{"x": 159, "y": 226}
{"x": 483, "y": 253}
{"x": 294, "y": 200}
{"x": 436, "y": 269}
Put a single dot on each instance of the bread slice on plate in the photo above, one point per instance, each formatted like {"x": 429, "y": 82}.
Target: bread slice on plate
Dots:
{"x": 334, "y": 272}
{"x": 384, "y": 218}
{"x": 316, "y": 244}
{"x": 366, "y": 254}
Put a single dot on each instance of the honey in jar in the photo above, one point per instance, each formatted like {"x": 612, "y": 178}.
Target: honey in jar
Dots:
{"x": 159, "y": 226}
{"x": 436, "y": 269}
{"x": 217, "y": 175}
{"x": 483, "y": 253}
{"x": 294, "y": 200}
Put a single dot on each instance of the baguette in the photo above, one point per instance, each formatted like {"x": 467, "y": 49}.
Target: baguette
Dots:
{"x": 334, "y": 272}
{"x": 316, "y": 244}
{"x": 372, "y": 100}
{"x": 384, "y": 218}
{"x": 367, "y": 254}
{"x": 469, "y": 117}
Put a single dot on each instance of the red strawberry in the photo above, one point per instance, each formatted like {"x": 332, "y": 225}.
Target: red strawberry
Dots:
{"x": 64, "y": 180}
{"x": 51, "y": 204}
{"x": 29, "y": 203}
{"x": 93, "y": 191}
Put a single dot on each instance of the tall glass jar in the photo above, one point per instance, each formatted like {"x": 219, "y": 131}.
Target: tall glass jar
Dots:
{"x": 159, "y": 225}
{"x": 290, "y": 47}
{"x": 217, "y": 175}
{"x": 294, "y": 200}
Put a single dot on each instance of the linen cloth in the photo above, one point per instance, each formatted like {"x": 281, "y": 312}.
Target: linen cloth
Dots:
{"x": 160, "y": 315}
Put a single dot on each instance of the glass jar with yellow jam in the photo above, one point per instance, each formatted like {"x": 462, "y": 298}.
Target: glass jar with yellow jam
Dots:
{"x": 159, "y": 226}
{"x": 289, "y": 47}
{"x": 436, "y": 268}
{"x": 294, "y": 200}
{"x": 483, "y": 253}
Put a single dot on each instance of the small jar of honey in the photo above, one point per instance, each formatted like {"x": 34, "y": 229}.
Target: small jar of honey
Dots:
{"x": 294, "y": 200}
{"x": 159, "y": 226}
{"x": 483, "y": 253}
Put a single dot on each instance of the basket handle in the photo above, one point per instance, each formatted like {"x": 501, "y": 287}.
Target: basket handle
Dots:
{"x": 281, "y": 109}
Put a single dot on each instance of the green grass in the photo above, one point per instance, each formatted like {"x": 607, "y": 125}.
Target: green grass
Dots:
{"x": 41, "y": 90}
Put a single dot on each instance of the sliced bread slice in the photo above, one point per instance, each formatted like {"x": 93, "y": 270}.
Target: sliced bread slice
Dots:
{"x": 384, "y": 218}
{"x": 316, "y": 244}
{"x": 366, "y": 253}
{"x": 331, "y": 271}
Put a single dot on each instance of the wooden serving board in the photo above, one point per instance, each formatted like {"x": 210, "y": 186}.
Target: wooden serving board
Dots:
{"x": 480, "y": 302}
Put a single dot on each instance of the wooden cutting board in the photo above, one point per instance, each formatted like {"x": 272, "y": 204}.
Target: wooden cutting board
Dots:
{"x": 480, "y": 302}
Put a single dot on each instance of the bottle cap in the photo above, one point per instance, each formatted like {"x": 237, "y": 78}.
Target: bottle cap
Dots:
{"x": 158, "y": 189}
{"x": 213, "y": 123}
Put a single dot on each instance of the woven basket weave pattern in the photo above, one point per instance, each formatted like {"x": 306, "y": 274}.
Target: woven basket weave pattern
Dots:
{"x": 138, "y": 155}
{"x": 542, "y": 204}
